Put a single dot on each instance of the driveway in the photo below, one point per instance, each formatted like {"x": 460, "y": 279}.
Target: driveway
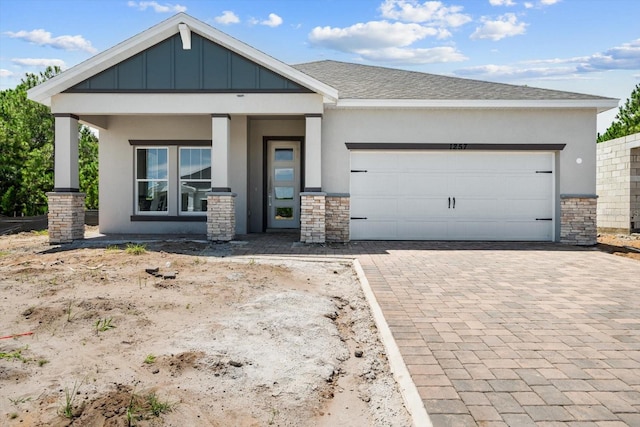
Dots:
{"x": 513, "y": 334}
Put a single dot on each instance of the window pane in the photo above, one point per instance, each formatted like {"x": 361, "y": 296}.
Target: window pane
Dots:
{"x": 152, "y": 196}
{"x": 195, "y": 163}
{"x": 193, "y": 196}
{"x": 284, "y": 193}
{"x": 284, "y": 213}
{"x": 283, "y": 154}
{"x": 284, "y": 174}
{"x": 151, "y": 163}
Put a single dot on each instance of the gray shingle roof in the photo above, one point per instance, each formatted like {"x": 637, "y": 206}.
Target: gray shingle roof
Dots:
{"x": 356, "y": 81}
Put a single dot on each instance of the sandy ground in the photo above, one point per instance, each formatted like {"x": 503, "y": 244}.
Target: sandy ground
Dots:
{"x": 620, "y": 244}
{"x": 242, "y": 342}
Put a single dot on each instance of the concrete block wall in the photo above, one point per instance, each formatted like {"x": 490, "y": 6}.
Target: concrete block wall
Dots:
{"x": 312, "y": 217}
{"x": 66, "y": 217}
{"x": 221, "y": 216}
{"x": 634, "y": 187}
{"x": 616, "y": 180}
{"x": 337, "y": 209}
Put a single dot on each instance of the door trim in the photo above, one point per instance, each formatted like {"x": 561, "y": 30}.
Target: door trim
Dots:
{"x": 265, "y": 171}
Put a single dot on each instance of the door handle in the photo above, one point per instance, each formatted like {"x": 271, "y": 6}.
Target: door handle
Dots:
{"x": 454, "y": 203}
{"x": 269, "y": 197}
{"x": 449, "y": 202}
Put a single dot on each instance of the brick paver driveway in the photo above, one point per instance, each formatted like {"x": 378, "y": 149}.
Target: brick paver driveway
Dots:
{"x": 518, "y": 335}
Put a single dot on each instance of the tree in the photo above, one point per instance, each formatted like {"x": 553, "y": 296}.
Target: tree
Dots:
{"x": 627, "y": 121}
{"x": 26, "y": 151}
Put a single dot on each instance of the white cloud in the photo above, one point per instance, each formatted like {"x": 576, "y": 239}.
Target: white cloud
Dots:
{"x": 539, "y": 4}
{"x": 370, "y": 35}
{"x": 43, "y": 38}
{"x": 432, "y": 12}
{"x": 6, "y": 73}
{"x": 624, "y": 57}
{"x": 157, "y": 7}
{"x": 412, "y": 56}
{"x": 506, "y": 25}
{"x": 273, "y": 21}
{"x": 502, "y": 3}
{"x": 39, "y": 62}
{"x": 227, "y": 17}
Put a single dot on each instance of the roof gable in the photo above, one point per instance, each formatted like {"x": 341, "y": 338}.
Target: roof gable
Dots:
{"x": 167, "y": 67}
{"x": 270, "y": 72}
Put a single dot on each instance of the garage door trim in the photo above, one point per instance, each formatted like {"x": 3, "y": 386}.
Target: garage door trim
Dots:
{"x": 436, "y": 146}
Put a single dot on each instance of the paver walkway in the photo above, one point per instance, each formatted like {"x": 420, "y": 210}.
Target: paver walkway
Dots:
{"x": 504, "y": 334}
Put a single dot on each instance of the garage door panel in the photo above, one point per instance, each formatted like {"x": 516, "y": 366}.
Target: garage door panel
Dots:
{"x": 528, "y": 230}
{"x": 375, "y": 208}
{"x": 374, "y": 230}
{"x": 468, "y": 184}
{"x": 533, "y": 184}
{"x": 485, "y": 208}
{"x": 433, "y": 162}
{"x": 423, "y": 208}
{"x": 419, "y": 184}
{"x": 527, "y": 208}
{"x": 413, "y": 230}
{"x": 474, "y": 229}
{"x": 405, "y": 195}
{"x": 372, "y": 184}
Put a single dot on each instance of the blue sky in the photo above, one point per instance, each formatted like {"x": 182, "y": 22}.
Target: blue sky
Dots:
{"x": 588, "y": 46}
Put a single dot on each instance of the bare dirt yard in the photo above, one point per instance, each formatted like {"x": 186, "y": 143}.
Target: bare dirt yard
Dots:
{"x": 177, "y": 336}
{"x": 620, "y": 244}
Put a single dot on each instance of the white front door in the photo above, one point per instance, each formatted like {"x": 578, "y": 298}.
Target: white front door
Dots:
{"x": 283, "y": 184}
{"x": 443, "y": 195}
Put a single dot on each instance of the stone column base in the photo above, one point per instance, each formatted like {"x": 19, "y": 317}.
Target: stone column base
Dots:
{"x": 337, "y": 218}
{"x": 578, "y": 219}
{"x": 221, "y": 216}
{"x": 66, "y": 217}
{"x": 312, "y": 217}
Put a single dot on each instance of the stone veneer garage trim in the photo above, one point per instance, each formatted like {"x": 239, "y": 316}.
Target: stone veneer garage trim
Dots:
{"x": 578, "y": 219}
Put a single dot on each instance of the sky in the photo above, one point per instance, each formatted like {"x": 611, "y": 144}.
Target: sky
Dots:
{"x": 586, "y": 46}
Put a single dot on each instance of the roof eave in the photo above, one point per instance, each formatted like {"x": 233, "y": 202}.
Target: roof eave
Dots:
{"x": 600, "y": 104}
{"x": 148, "y": 38}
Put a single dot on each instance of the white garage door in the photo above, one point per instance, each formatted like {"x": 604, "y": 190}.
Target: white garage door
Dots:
{"x": 452, "y": 195}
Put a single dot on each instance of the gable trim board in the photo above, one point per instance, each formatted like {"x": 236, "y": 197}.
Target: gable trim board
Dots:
{"x": 327, "y": 105}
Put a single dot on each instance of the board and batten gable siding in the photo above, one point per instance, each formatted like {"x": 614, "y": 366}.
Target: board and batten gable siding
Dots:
{"x": 207, "y": 66}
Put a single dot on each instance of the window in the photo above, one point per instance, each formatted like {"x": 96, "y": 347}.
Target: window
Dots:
{"x": 172, "y": 180}
{"x": 195, "y": 179}
{"x": 152, "y": 179}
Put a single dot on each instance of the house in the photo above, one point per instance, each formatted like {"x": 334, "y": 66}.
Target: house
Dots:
{"x": 618, "y": 185}
{"x": 201, "y": 133}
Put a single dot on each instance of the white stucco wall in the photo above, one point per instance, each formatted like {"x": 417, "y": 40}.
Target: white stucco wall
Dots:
{"x": 116, "y": 160}
{"x": 575, "y": 127}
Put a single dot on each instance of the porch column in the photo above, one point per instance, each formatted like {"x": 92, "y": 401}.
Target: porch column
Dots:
{"x": 313, "y": 153}
{"x": 312, "y": 200}
{"x": 220, "y": 150}
{"x": 221, "y": 215}
{"x": 66, "y": 203}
